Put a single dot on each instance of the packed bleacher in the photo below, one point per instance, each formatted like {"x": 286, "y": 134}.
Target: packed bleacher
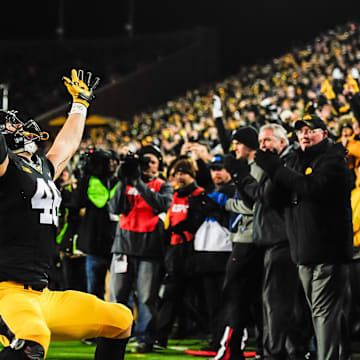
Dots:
{"x": 165, "y": 212}
{"x": 315, "y": 79}
{"x": 277, "y": 91}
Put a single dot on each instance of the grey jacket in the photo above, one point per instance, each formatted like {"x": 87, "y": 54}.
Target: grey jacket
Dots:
{"x": 244, "y": 220}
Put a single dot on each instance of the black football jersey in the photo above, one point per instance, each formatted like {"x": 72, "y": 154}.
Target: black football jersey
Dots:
{"x": 29, "y": 202}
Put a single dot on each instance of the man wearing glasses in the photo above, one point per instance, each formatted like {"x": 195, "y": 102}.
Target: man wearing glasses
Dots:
{"x": 316, "y": 186}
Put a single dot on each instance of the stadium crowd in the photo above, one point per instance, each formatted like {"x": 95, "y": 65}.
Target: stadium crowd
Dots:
{"x": 185, "y": 207}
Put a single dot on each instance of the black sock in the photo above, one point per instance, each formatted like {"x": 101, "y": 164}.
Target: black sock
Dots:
{"x": 110, "y": 349}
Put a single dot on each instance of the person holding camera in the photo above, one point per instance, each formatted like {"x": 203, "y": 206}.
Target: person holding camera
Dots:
{"x": 142, "y": 199}
{"x": 96, "y": 230}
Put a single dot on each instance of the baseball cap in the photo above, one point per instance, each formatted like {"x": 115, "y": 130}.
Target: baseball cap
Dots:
{"x": 312, "y": 121}
{"x": 218, "y": 162}
{"x": 150, "y": 149}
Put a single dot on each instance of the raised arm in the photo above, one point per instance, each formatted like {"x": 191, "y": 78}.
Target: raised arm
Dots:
{"x": 68, "y": 139}
{"x": 224, "y": 135}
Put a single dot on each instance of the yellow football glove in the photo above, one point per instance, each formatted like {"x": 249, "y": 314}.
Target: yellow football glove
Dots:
{"x": 82, "y": 92}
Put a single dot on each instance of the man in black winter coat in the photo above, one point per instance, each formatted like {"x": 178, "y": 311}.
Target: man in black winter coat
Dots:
{"x": 316, "y": 189}
{"x": 285, "y": 328}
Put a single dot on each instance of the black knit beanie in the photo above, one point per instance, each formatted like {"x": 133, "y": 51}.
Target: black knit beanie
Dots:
{"x": 248, "y": 136}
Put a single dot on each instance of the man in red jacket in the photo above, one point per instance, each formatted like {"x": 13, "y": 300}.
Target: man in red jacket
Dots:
{"x": 142, "y": 198}
{"x": 180, "y": 250}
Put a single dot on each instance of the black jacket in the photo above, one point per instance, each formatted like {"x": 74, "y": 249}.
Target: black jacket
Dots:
{"x": 316, "y": 188}
{"x": 96, "y": 230}
{"x": 269, "y": 223}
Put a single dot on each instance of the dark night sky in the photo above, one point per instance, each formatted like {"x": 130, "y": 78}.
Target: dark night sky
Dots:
{"x": 249, "y": 30}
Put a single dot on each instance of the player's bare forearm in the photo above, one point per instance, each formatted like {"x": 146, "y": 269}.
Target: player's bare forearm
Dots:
{"x": 66, "y": 142}
{"x": 68, "y": 139}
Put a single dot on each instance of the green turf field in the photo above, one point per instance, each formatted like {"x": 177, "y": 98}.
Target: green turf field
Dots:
{"x": 176, "y": 351}
{"x": 77, "y": 350}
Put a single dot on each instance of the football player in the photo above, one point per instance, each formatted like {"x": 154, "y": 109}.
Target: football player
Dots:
{"x": 30, "y": 313}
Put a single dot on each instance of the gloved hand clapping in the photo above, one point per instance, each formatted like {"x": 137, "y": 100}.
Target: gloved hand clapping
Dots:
{"x": 238, "y": 168}
{"x": 269, "y": 161}
{"x": 204, "y": 205}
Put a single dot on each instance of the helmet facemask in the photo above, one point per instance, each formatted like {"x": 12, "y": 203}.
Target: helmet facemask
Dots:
{"x": 20, "y": 136}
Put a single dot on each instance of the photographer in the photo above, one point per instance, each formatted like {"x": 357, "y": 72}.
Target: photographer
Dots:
{"x": 96, "y": 230}
{"x": 141, "y": 198}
